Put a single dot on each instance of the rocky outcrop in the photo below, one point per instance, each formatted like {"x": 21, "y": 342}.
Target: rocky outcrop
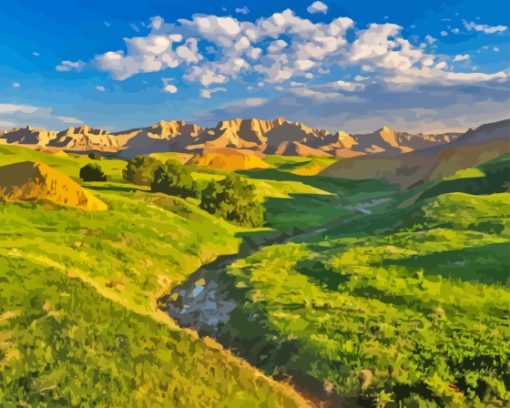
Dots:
{"x": 229, "y": 159}
{"x": 278, "y": 136}
{"x": 29, "y": 181}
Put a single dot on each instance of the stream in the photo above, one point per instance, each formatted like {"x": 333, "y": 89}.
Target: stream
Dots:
{"x": 203, "y": 302}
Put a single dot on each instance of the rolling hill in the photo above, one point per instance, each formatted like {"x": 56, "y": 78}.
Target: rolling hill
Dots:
{"x": 377, "y": 280}
{"x": 29, "y": 181}
{"x": 472, "y": 148}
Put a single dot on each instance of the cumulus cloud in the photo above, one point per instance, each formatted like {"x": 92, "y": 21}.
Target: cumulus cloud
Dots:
{"x": 100, "y": 88}
{"x": 208, "y": 92}
{"x": 18, "y": 115}
{"x": 430, "y": 39}
{"x": 168, "y": 87}
{"x": 242, "y": 10}
{"x": 284, "y": 48}
{"x": 70, "y": 120}
{"x": 484, "y": 28}
{"x": 317, "y": 7}
{"x": 461, "y": 57}
{"x": 427, "y": 107}
{"x": 66, "y": 66}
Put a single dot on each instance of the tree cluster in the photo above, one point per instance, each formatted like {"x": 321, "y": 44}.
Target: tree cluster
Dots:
{"x": 231, "y": 198}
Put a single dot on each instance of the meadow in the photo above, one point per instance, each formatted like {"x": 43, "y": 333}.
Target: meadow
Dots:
{"x": 354, "y": 293}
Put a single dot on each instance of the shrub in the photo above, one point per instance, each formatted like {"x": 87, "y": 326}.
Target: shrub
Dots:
{"x": 174, "y": 179}
{"x": 95, "y": 156}
{"x": 234, "y": 200}
{"x": 92, "y": 172}
{"x": 141, "y": 170}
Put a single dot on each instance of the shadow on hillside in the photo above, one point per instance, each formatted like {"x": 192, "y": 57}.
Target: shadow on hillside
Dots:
{"x": 486, "y": 263}
{"x": 321, "y": 274}
{"x": 329, "y": 184}
{"x": 107, "y": 187}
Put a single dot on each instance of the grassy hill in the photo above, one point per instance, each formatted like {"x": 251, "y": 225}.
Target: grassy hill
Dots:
{"x": 78, "y": 321}
{"x": 355, "y": 292}
{"x": 402, "y": 305}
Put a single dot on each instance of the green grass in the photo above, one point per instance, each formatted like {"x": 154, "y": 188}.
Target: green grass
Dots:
{"x": 490, "y": 177}
{"x": 69, "y": 164}
{"x": 293, "y": 163}
{"x": 413, "y": 286}
{"x": 63, "y": 344}
{"x": 424, "y": 307}
{"x": 79, "y": 324}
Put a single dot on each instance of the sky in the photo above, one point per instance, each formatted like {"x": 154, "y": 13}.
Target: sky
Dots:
{"x": 426, "y": 66}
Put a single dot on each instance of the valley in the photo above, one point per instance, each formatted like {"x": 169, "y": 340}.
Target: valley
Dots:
{"x": 377, "y": 280}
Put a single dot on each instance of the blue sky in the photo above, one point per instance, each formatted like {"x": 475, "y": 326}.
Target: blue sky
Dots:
{"x": 355, "y": 66}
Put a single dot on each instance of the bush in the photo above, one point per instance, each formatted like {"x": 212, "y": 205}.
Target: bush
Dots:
{"x": 174, "y": 179}
{"x": 234, "y": 200}
{"x": 92, "y": 172}
{"x": 95, "y": 156}
{"x": 141, "y": 170}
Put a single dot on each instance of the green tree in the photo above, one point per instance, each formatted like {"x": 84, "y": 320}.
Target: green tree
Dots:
{"x": 175, "y": 179}
{"x": 92, "y": 172}
{"x": 95, "y": 156}
{"x": 141, "y": 170}
{"x": 235, "y": 200}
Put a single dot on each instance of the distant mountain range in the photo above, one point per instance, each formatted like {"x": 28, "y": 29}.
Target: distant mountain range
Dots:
{"x": 469, "y": 150}
{"x": 279, "y": 136}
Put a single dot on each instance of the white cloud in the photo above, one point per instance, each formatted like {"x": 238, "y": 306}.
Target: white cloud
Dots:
{"x": 461, "y": 57}
{"x": 496, "y": 49}
{"x": 66, "y": 66}
{"x": 36, "y": 54}
{"x": 70, "y": 120}
{"x": 317, "y": 7}
{"x": 171, "y": 89}
{"x": 208, "y": 92}
{"x": 17, "y": 115}
{"x": 134, "y": 27}
{"x": 168, "y": 87}
{"x": 16, "y": 85}
{"x": 455, "y": 30}
{"x": 283, "y": 47}
{"x": 8, "y": 108}
{"x": 426, "y": 108}
{"x": 242, "y": 10}
{"x": 347, "y": 86}
{"x": 430, "y": 40}
{"x": 107, "y": 24}
{"x": 443, "y": 33}
{"x": 471, "y": 25}
{"x": 157, "y": 22}
{"x": 100, "y": 88}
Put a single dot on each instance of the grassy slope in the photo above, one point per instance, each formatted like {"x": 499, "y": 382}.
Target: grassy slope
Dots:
{"x": 409, "y": 293}
{"x": 69, "y": 164}
{"x": 305, "y": 166}
{"x": 60, "y": 271}
{"x": 418, "y": 295}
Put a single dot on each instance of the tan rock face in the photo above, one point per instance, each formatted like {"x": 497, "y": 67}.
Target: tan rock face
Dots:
{"x": 29, "y": 181}
{"x": 229, "y": 159}
{"x": 436, "y": 161}
{"x": 278, "y": 136}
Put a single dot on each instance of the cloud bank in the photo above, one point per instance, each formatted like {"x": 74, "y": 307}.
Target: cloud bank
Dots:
{"x": 333, "y": 72}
